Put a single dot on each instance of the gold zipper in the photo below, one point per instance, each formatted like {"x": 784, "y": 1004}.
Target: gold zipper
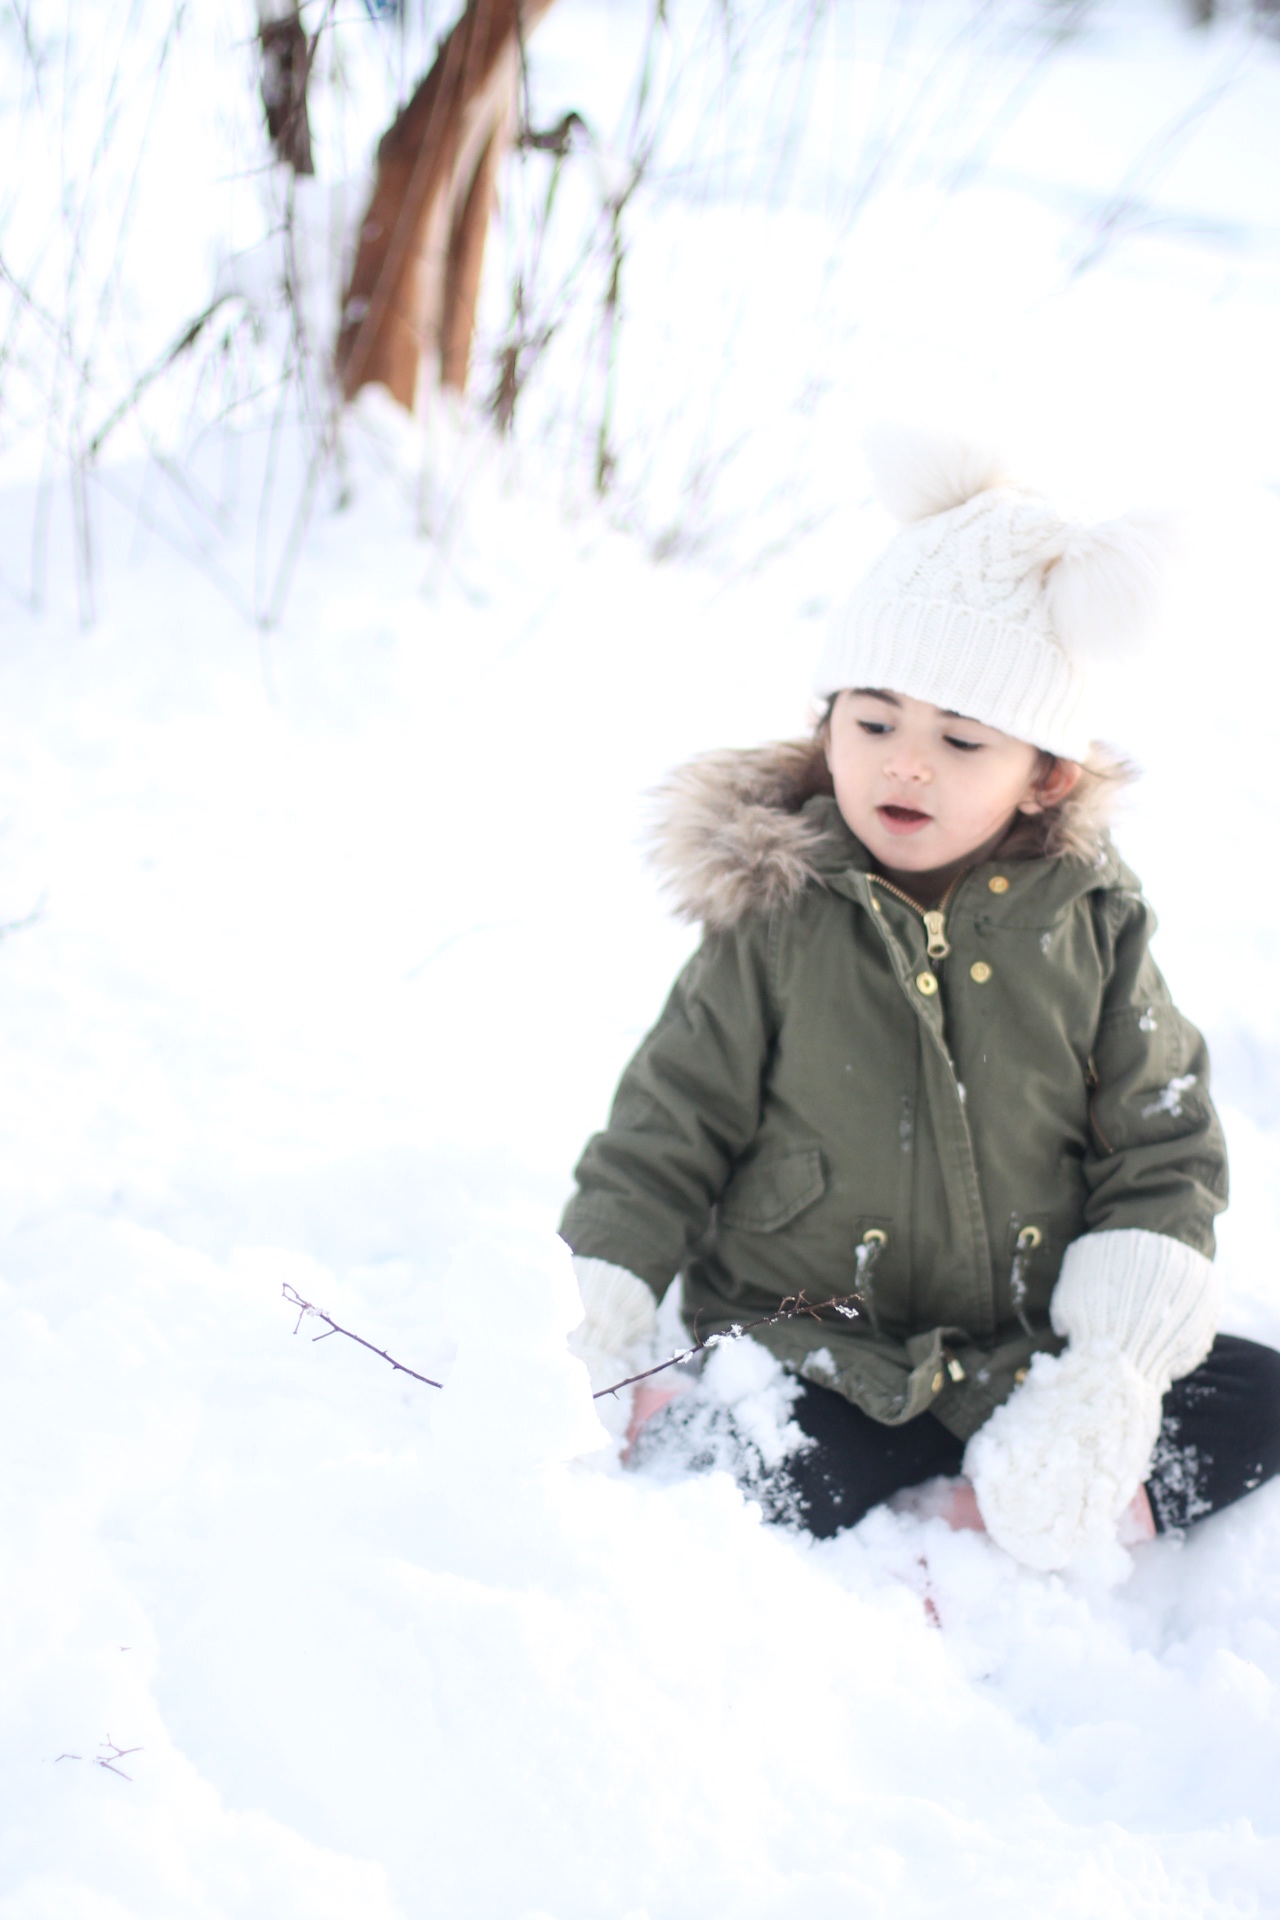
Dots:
{"x": 935, "y": 919}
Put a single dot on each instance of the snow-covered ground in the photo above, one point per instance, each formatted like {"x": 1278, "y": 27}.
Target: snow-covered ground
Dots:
{"x": 324, "y": 946}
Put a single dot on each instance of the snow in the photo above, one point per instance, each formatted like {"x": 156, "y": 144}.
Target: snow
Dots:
{"x": 326, "y": 941}
{"x": 1169, "y": 1098}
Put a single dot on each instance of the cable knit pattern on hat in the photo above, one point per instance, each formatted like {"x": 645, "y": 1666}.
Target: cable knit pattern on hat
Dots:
{"x": 1058, "y": 1463}
{"x": 992, "y": 604}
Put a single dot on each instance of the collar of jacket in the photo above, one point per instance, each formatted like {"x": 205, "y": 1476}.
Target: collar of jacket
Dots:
{"x": 1038, "y": 890}
{"x": 734, "y": 834}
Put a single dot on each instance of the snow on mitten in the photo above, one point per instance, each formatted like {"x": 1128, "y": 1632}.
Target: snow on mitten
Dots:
{"x": 616, "y": 1337}
{"x": 1056, "y": 1466}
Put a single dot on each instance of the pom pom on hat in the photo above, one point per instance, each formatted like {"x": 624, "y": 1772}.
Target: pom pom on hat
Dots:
{"x": 918, "y": 473}
{"x": 1105, "y": 589}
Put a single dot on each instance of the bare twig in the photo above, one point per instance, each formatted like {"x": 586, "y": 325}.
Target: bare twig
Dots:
{"x": 1130, "y": 197}
{"x": 187, "y": 338}
{"x": 794, "y": 1307}
{"x": 525, "y": 343}
{"x": 23, "y": 15}
{"x": 641, "y": 148}
{"x": 557, "y": 139}
{"x": 305, "y": 1307}
{"x": 28, "y": 920}
{"x": 57, "y": 329}
{"x": 114, "y": 1753}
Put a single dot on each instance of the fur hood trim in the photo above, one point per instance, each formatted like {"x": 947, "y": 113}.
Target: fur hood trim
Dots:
{"x": 731, "y": 833}
{"x": 729, "y": 838}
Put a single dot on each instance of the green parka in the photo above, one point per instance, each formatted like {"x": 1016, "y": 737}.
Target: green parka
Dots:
{"x": 831, "y": 1105}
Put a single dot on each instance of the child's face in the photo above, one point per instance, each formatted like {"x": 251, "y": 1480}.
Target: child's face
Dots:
{"x": 926, "y": 790}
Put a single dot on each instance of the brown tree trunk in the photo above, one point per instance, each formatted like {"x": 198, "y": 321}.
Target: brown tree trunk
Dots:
{"x": 465, "y": 265}
{"x": 416, "y": 278}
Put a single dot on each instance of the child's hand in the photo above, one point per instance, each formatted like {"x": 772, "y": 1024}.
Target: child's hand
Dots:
{"x": 1057, "y": 1465}
{"x": 647, "y": 1399}
{"x": 615, "y": 1338}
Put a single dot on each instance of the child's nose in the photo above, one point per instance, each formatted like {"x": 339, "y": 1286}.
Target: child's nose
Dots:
{"x": 904, "y": 763}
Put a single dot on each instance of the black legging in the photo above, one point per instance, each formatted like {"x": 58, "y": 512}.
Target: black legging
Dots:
{"x": 1219, "y": 1439}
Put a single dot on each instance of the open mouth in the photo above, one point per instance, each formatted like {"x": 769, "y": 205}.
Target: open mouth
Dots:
{"x": 903, "y": 819}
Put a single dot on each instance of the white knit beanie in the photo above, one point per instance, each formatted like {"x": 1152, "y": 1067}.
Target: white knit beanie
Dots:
{"x": 989, "y": 603}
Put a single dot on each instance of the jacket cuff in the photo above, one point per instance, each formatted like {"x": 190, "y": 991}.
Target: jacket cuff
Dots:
{"x": 1151, "y": 1297}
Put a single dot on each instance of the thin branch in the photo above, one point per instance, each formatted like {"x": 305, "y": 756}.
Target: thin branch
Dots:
{"x": 201, "y": 556}
{"x": 57, "y": 329}
{"x": 794, "y": 1307}
{"x": 113, "y": 1754}
{"x": 28, "y": 920}
{"x": 23, "y": 16}
{"x": 305, "y": 1307}
{"x": 557, "y": 139}
{"x": 187, "y": 338}
{"x": 1128, "y": 196}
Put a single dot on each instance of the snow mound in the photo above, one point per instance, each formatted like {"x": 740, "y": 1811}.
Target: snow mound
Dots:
{"x": 515, "y": 1396}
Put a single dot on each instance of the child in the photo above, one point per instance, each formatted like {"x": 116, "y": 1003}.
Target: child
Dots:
{"x": 924, "y": 1068}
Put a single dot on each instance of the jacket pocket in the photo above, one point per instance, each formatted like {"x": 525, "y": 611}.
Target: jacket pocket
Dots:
{"x": 765, "y": 1194}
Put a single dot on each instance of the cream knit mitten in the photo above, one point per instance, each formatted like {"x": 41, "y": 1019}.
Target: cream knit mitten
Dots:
{"x": 616, "y": 1337}
{"x": 1056, "y": 1466}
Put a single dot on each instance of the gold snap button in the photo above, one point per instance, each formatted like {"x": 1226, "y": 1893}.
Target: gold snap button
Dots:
{"x": 1021, "y": 1375}
{"x": 980, "y": 972}
{"x": 927, "y": 983}
{"x": 937, "y": 1383}
{"x": 998, "y": 884}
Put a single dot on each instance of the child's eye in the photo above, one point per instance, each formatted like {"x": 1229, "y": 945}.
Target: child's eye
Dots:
{"x": 965, "y": 746}
{"x": 875, "y": 726}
